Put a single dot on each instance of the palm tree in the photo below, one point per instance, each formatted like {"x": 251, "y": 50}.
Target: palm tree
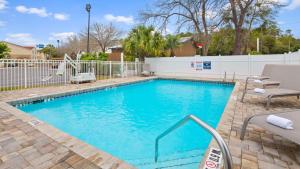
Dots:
{"x": 144, "y": 42}
{"x": 172, "y": 42}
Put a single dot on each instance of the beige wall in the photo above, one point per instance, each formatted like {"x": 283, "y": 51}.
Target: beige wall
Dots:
{"x": 185, "y": 49}
{"x": 20, "y": 52}
{"x": 115, "y": 55}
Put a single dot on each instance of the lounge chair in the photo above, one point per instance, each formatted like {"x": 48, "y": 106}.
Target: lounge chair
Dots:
{"x": 289, "y": 78}
{"x": 265, "y": 78}
{"x": 146, "y": 70}
{"x": 260, "y": 120}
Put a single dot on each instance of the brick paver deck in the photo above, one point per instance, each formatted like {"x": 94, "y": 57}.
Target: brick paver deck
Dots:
{"x": 260, "y": 149}
{"x": 25, "y": 146}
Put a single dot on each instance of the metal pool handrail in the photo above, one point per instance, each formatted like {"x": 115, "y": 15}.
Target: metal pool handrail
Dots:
{"x": 224, "y": 148}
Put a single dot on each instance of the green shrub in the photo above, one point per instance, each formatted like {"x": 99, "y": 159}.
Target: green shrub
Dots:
{"x": 88, "y": 56}
{"x": 4, "y": 50}
{"x": 93, "y": 56}
{"x": 102, "y": 56}
{"x": 255, "y": 53}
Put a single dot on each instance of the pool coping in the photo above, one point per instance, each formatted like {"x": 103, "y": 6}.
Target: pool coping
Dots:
{"x": 225, "y": 123}
{"x": 92, "y": 153}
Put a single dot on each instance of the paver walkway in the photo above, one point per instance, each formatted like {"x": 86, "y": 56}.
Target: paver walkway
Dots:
{"x": 261, "y": 149}
{"x": 23, "y": 146}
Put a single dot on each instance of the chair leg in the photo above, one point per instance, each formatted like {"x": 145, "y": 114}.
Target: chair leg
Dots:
{"x": 245, "y": 90}
{"x": 243, "y": 96}
{"x": 268, "y": 102}
{"x": 298, "y": 97}
{"x": 245, "y": 124}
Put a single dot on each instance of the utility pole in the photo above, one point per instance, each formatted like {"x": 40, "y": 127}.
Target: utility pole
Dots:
{"x": 88, "y": 9}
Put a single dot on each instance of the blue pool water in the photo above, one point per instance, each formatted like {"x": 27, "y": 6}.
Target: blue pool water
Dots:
{"x": 124, "y": 121}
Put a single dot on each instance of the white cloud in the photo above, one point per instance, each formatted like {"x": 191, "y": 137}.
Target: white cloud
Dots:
{"x": 3, "y": 4}
{"x": 293, "y": 5}
{"x": 2, "y": 24}
{"x": 120, "y": 19}
{"x": 21, "y": 39}
{"x": 61, "y": 36}
{"x": 42, "y": 12}
{"x": 61, "y": 16}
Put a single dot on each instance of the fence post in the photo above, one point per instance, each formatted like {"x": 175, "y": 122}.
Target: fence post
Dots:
{"x": 299, "y": 55}
{"x": 65, "y": 72}
{"x": 25, "y": 73}
{"x": 126, "y": 69}
{"x": 135, "y": 67}
{"x": 110, "y": 69}
{"x": 122, "y": 64}
{"x": 284, "y": 58}
{"x": 249, "y": 65}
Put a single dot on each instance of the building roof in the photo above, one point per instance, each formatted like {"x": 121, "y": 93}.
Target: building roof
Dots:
{"x": 27, "y": 47}
{"x": 116, "y": 47}
{"x": 185, "y": 39}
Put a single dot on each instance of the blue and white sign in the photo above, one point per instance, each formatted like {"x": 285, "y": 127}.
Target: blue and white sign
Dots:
{"x": 199, "y": 65}
{"x": 207, "y": 65}
{"x": 40, "y": 46}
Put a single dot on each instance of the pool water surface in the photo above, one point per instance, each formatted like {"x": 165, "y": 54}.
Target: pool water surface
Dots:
{"x": 124, "y": 121}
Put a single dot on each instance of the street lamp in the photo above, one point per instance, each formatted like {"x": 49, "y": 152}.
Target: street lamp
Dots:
{"x": 88, "y": 9}
{"x": 57, "y": 43}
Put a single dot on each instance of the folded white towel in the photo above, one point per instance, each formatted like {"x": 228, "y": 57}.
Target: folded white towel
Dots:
{"x": 259, "y": 90}
{"x": 280, "y": 122}
{"x": 258, "y": 81}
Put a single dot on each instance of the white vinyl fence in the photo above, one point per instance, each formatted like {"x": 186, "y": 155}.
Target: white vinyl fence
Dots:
{"x": 217, "y": 66}
{"x": 19, "y": 73}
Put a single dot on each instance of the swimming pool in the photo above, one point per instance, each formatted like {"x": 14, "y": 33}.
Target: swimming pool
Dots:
{"x": 124, "y": 121}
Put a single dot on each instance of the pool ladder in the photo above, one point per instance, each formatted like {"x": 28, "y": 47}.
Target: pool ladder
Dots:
{"x": 223, "y": 147}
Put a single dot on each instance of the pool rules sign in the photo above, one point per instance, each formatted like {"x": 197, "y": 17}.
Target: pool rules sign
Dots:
{"x": 213, "y": 160}
{"x": 201, "y": 65}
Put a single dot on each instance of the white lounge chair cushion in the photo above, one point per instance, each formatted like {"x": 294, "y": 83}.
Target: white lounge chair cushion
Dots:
{"x": 259, "y": 90}
{"x": 280, "y": 122}
{"x": 258, "y": 81}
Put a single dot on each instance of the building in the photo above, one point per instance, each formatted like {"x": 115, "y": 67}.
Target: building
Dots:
{"x": 114, "y": 53}
{"x": 186, "y": 48}
{"x": 24, "y": 52}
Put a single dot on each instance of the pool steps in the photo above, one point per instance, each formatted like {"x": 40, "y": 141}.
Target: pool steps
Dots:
{"x": 228, "y": 164}
{"x": 180, "y": 160}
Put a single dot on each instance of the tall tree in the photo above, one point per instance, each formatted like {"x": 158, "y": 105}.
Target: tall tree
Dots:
{"x": 144, "y": 42}
{"x": 49, "y": 51}
{"x": 72, "y": 45}
{"x": 239, "y": 12}
{"x": 4, "y": 50}
{"x": 199, "y": 16}
{"x": 105, "y": 35}
{"x": 172, "y": 42}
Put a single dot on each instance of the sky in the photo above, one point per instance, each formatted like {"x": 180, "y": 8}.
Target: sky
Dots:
{"x": 31, "y": 22}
